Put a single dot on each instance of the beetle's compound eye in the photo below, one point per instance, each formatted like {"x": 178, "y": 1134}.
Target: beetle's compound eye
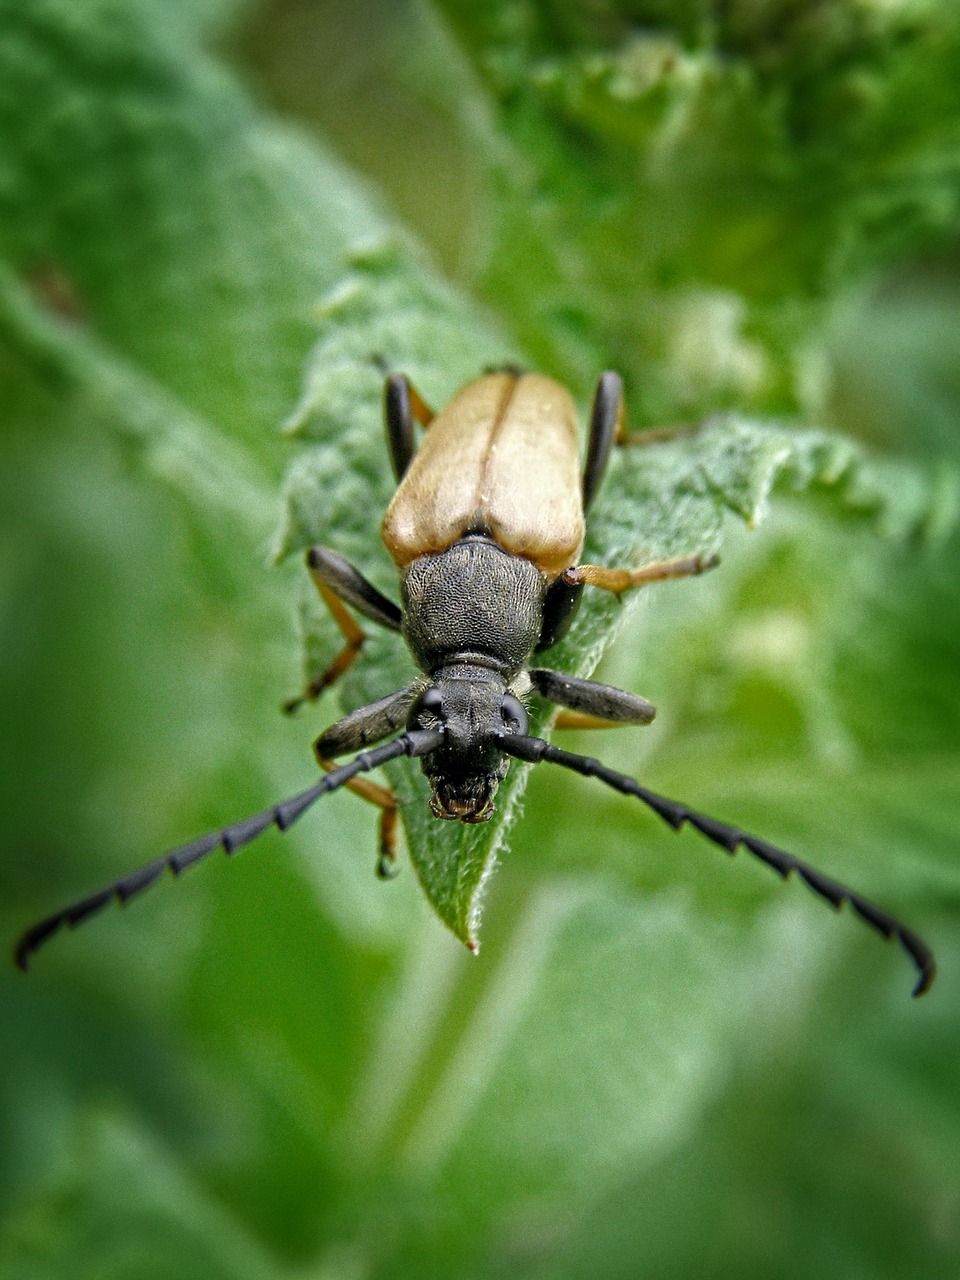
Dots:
{"x": 427, "y": 711}
{"x": 513, "y": 713}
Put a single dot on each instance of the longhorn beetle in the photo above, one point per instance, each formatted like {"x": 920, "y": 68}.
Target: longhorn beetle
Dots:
{"x": 486, "y": 529}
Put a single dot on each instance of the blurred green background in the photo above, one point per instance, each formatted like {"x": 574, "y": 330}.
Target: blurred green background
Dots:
{"x": 662, "y": 1063}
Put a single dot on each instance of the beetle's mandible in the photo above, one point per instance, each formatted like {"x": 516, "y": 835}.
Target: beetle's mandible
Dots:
{"x": 486, "y": 529}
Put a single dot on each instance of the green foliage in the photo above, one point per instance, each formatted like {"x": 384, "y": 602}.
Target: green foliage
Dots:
{"x": 744, "y": 156}
{"x": 660, "y": 1064}
{"x": 660, "y": 502}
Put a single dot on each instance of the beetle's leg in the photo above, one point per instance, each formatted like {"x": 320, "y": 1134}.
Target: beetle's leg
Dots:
{"x": 661, "y": 435}
{"x": 606, "y": 425}
{"x": 563, "y": 595}
{"x": 386, "y": 802}
{"x": 590, "y": 705}
{"x": 367, "y": 725}
{"x": 560, "y": 607}
{"x": 580, "y": 720}
{"x": 329, "y": 569}
{"x": 401, "y": 404}
{"x": 620, "y": 580}
{"x": 338, "y": 581}
{"x": 354, "y": 732}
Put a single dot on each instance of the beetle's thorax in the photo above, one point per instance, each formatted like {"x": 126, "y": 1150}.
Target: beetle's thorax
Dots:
{"x": 473, "y": 603}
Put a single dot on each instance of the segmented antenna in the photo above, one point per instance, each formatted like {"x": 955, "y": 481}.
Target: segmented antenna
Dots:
{"x": 416, "y": 742}
{"x": 536, "y": 750}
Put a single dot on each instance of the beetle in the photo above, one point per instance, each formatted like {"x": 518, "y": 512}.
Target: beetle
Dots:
{"x": 486, "y": 529}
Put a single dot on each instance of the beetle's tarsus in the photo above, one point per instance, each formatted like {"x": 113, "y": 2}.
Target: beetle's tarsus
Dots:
{"x": 387, "y": 867}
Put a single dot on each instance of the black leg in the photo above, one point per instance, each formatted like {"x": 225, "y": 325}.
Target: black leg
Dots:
{"x": 367, "y": 724}
{"x": 338, "y": 581}
{"x": 600, "y": 705}
{"x": 359, "y": 729}
{"x": 560, "y": 607}
{"x": 329, "y": 569}
{"x": 606, "y": 424}
{"x": 399, "y": 421}
{"x": 402, "y": 404}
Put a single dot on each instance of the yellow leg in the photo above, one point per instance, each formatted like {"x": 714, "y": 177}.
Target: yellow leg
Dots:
{"x": 620, "y": 580}
{"x": 419, "y": 407}
{"x": 653, "y": 435}
{"x": 386, "y": 802}
{"x": 657, "y": 435}
{"x": 344, "y": 660}
{"x": 581, "y": 720}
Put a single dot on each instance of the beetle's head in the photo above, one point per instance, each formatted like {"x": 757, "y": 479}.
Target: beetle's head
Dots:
{"x": 474, "y": 708}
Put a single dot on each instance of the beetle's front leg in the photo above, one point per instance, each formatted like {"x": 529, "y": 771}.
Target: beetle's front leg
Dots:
{"x": 354, "y": 732}
{"x": 339, "y": 583}
{"x": 386, "y": 801}
{"x": 589, "y": 704}
{"x": 367, "y": 725}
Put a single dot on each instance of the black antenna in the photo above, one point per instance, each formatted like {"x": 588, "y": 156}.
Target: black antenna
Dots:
{"x": 535, "y": 750}
{"x": 416, "y": 742}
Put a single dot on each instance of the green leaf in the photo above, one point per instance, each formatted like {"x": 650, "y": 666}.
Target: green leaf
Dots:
{"x": 657, "y": 184}
{"x": 662, "y": 501}
{"x": 162, "y": 1222}
{"x": 664, "y": 1061}
{"x": 143, "y": 198}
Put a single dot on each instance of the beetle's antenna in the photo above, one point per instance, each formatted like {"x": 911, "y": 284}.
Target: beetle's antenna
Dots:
{"x": 415, "y": 742}
{"x": 536, "y": 750}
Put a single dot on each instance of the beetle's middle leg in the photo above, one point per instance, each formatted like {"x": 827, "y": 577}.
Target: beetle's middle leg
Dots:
{"x": 620, "y": 580}
{"x": 563, "y": 596}
{"x": 339, "y": 583}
